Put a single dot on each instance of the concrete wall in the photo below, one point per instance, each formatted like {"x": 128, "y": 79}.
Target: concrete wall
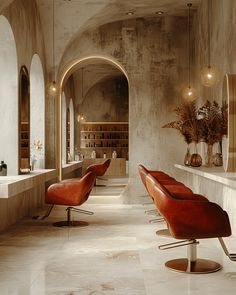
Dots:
{"x": 112, "y": 95}
{"x": 153, "y": 54}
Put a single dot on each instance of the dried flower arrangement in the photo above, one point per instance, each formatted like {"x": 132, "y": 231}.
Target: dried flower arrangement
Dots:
{"x": 187, "y": 122}
{"x": 208, "y": 123}
{"x": 214, "y": 119}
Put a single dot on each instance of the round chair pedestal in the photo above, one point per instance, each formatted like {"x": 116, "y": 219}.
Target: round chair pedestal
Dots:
{"x": 70, "y": 224}
{"x": 200, "y": 266}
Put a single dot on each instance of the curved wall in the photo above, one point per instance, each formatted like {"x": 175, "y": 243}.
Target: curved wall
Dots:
{"x": 8, "y": 97}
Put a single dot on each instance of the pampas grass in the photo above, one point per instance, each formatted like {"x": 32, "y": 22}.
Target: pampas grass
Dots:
{"x": 208, "y": 123}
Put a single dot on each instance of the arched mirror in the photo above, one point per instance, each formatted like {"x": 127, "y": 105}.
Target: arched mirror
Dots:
{"x": 229, "y": 142}
{"x": 24, "y": 121}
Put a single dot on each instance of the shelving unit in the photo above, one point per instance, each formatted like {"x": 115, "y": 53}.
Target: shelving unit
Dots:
{"x": 24, "y": 144}
{"x": 104, "y": 138}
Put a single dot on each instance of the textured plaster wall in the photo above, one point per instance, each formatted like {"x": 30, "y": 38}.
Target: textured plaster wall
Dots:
{"x": 223, "y": 43}
{"x": 112, "y": 95}
{"x": 153, "y": 54}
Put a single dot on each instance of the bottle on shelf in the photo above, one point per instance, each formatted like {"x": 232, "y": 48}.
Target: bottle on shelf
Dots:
{"x": 114, "y": 154}
{"x": 93, "y": 155}
{"x": 3, "y": 169}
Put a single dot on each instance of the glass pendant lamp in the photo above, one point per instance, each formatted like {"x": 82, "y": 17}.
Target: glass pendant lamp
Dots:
{"x": 189, "y": 93}
{"x": 52, "y": 86}
{"x": 209, "y": 74}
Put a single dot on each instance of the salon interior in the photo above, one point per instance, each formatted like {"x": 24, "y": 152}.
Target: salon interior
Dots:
{"x": 117, "y": 147}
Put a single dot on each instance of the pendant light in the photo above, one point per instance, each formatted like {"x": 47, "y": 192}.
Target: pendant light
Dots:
{"x": 52, "y": 87}
{"x": 189, "y": 93}
{"x": 209, "y": 74}
{"x": 81, "y": 117}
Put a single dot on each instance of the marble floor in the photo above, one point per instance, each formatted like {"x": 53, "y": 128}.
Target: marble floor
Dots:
{"x": 117, "y": 254}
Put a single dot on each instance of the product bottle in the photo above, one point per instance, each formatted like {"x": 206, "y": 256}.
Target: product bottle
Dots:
{"x": 3, "y": 169}
{"x": 114, "y": 154}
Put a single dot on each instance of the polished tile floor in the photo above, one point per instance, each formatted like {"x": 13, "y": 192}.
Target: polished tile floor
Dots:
{"x": 117, "y": 254}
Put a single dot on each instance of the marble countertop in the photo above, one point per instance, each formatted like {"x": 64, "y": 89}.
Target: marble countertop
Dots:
{"x": 213, "y": 173}
{"x": 15, "y": 184}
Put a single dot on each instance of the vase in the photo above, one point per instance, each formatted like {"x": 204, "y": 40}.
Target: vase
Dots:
{"x": 196, "y": 159}
{"x": 210, "y": 158}
{"x": 217, "y": 157}
{"x": 187, "y": 157}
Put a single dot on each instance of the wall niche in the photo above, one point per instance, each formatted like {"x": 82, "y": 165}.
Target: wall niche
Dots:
{"x": 24, "y": 121}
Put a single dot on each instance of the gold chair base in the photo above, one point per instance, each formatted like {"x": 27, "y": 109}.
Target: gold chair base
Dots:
{"x": 200, "y": 266}
{"x": 70, "y": 223}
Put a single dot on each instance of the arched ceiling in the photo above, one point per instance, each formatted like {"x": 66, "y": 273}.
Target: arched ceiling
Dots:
{"x": 74, "y": 16}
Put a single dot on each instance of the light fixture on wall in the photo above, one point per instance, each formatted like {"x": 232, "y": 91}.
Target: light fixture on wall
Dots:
{"x": 209, "y": 74}
{"x": 189, "y": 93}
{"x": 52, "y": 87}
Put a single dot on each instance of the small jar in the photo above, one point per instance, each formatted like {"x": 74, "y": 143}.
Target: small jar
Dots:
{"x": 104, "y": 155}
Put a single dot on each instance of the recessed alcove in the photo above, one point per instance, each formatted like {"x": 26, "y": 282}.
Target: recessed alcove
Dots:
{"x": 8, "y": 97}
{"x": 37, "y": 112}
{"x": 24, "y": 121}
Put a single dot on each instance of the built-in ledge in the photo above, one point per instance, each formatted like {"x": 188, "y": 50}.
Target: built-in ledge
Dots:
{"x": 69, "y": 168}
{"x": 14, "y": 185}
{"x": 213, "y": 173}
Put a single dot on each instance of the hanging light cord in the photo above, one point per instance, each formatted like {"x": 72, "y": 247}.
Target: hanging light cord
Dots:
{"x": 82, "y": 82}
{"x": 189, "y": 57}
{"x": 53, "y": 40}
{"x": 208, "y": 29}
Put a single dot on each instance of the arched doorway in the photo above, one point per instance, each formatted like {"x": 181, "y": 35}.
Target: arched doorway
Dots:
{"x": 83, "y": 90}
{"x": 8, "y": 97}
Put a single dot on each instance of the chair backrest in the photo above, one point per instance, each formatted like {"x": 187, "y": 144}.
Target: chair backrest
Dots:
{"x": 143, "y": 172}
{"x": 189, "y": 219}
{"x": 72, "y": 193}
{"x": 99, "y": 169}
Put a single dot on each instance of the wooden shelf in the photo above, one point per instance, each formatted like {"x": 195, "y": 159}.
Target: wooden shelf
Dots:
{"x": 104, "y": 129}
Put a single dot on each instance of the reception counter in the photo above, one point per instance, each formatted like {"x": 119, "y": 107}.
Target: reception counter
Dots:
{"x": 217, "y": 185}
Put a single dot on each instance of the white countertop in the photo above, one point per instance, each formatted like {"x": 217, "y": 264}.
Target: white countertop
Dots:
{"x": 15, "y": 184}
{"x": 213, "y": 173}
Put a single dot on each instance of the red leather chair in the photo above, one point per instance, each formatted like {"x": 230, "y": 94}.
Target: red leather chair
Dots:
{"x": 99, "y": 169}
{"x": 190, "y": 220}
{"x": 70, "y": 193}
{"x": 176, "y": 188}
